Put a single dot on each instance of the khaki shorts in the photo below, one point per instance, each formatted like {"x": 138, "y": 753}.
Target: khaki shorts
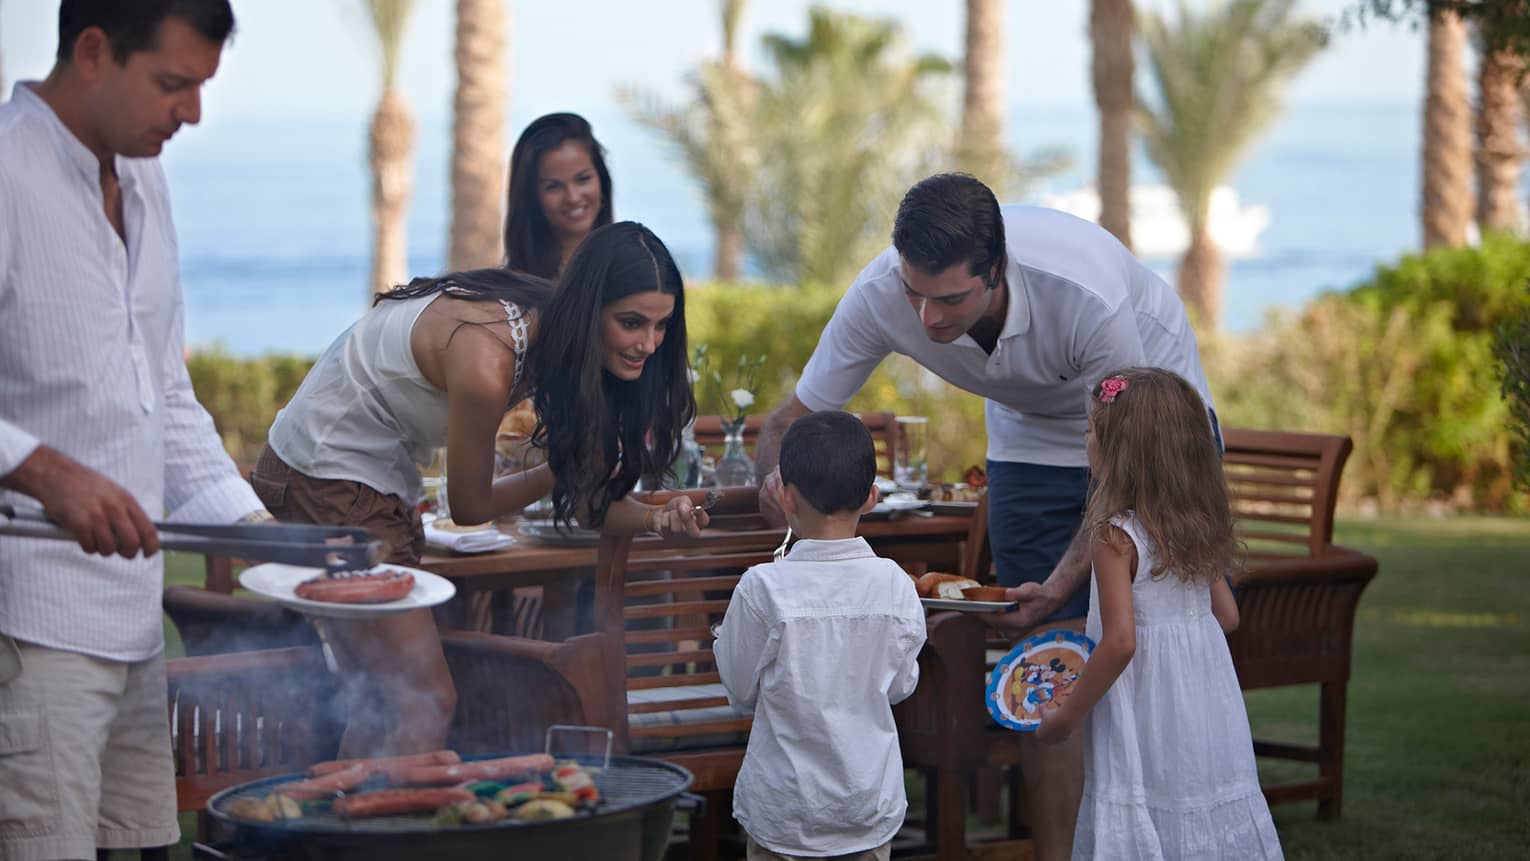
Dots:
{"x": 84, "y": 756}
{"x": 293, "y": 497}
{"x": 756, "y": 852}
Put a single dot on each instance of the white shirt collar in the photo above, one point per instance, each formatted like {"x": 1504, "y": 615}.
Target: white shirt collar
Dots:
{"x": 1017, "y": 317}
{"x": 90, "y": 167}
{"x": 832, "y": 550}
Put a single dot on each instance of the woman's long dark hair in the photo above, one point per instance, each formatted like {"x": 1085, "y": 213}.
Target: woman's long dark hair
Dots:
{"x": 478, "y": 285}
{"x": 602, "y": 433}
{"x": 481, "y": 285}
{"x": 530, "y": 245}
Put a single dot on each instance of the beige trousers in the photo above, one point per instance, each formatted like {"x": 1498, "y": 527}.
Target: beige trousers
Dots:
{"x": 84, "y": 756}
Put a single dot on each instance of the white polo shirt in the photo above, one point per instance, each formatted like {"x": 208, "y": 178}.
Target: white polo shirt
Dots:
{"x": 1080, "y": 307}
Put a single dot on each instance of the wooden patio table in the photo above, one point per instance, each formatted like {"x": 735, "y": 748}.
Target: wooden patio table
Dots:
{"x": 914, "y": 541}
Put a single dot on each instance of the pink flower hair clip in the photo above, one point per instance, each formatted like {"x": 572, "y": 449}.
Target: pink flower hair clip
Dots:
{"x": 1110, "y": 387}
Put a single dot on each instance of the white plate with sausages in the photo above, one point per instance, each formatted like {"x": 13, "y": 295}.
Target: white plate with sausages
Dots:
{"x": 279, "y": 583}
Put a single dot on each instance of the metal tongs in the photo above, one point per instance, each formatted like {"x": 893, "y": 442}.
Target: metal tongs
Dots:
{"x": 334, "y": 548}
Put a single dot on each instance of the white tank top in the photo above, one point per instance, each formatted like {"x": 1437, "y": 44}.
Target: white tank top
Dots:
{"x": 365, "y": 412}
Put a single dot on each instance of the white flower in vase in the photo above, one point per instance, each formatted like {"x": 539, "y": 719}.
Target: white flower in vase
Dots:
{"x": 742, "y": 398}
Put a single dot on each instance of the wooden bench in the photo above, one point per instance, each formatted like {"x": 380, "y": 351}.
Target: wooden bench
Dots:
{"x": 1298, "y": 594}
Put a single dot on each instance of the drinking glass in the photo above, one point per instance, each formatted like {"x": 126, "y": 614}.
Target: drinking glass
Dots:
{"x": 436, "y": 485}
{"x": 911, "y": 466}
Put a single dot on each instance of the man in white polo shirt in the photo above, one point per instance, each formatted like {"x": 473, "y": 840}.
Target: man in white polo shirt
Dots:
{"x": 99, "y": 426}
{"x": 1028, "y": 308}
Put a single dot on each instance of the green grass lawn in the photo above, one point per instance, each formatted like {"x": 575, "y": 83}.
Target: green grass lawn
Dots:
{"x": 1437, "y": 761}
{"x": 1437, "y": 764}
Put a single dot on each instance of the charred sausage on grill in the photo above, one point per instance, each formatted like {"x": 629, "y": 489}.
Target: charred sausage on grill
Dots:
{"x": 507, "y": 768}
{"x": 394, "y": 802}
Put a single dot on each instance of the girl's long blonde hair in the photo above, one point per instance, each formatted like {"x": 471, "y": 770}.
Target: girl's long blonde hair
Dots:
{"x": 1155, "y": 454}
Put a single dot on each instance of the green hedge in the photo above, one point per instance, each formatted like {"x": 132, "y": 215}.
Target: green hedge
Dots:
{"x": 1404, "y": 364}
{"x": 243, "y": 395}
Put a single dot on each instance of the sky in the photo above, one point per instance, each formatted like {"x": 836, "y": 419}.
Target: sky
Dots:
{"x": 294, "y": 58}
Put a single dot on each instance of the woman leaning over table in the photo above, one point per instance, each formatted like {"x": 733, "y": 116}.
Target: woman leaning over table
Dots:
{"x": 436, "y": 362}
{"x": 560, "y": 190}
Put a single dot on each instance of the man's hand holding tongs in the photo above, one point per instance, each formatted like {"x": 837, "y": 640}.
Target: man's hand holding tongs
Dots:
{"x": 101, "y": 515}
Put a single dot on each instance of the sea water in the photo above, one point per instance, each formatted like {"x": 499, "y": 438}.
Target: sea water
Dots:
{"x": 274, "y": 216}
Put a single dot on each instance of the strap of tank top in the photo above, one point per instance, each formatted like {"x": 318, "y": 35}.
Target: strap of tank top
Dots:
{"x": 518, "y": 338}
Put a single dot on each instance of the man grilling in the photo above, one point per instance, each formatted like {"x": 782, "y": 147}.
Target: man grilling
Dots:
{"x": 99, "y": 423}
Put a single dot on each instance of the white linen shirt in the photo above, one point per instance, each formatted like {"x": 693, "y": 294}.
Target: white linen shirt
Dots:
{"x": 91, "y": 364}
{"x": 1080, "y": 307}
{"x": 820, "y": 646}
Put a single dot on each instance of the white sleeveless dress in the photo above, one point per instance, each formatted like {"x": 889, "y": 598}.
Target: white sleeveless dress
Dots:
{"x": 1168, "y": 759}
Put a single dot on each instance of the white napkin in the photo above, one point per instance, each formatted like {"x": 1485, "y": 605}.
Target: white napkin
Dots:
{"x": 481, "y": 540}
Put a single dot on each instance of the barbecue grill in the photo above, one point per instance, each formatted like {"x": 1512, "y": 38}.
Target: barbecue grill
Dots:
{"x": 632, "y": 822}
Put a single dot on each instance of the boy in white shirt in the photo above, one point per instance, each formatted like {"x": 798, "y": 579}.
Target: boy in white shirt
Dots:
{"x": 821, "y": 645}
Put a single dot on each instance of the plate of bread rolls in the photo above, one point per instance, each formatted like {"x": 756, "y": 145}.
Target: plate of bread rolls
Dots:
{"x": 941, "y": 591}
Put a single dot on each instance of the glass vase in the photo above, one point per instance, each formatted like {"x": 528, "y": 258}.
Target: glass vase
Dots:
{"x": 735, "y": 468}
{"x": 687, "y": 465}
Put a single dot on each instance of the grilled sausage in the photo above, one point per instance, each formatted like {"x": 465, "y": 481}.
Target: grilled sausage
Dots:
{"x": 343, "y": 780}
{"x": 376, "y": 588}
{"x": 388, "y": 764}
{"x": 392, "y": 802}
{"x": 485, "y": 769}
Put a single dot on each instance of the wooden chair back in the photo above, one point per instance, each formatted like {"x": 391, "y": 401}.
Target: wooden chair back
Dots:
{"x": 883, "y": 427}
{"x": 243, "y": 716}
{"x": 664, "y": 600}
{"x": 977, "y": 554}
{"x": 1284, "y": 487}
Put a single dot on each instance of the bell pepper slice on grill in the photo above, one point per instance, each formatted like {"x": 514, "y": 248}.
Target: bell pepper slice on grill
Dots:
{"x": 520, "y": 793}
{"x": 572, "y": 778}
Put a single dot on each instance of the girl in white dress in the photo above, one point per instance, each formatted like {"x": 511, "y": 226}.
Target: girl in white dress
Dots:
{"x": 1168, "y": 760}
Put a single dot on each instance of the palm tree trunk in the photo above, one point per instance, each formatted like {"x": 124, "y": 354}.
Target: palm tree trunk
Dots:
{"x": 1499, "y": 152}
{"x": 1200, "y": 277}
{"x": 1111, "y": 27}
{"x": 478, "y": 136}
{"x": 391, "y": 143}
{"x": 982, "y": 141}
{"x": 1446, "y": 209}
{"x": 730, "y": 252}
{"x": 728, "y": 259}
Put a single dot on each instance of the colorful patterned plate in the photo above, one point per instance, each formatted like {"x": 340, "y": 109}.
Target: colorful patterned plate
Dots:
{"x": 1035, "y": 676}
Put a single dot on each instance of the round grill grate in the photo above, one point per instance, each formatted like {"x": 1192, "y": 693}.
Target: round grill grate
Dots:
{"x": 628, "y": 783}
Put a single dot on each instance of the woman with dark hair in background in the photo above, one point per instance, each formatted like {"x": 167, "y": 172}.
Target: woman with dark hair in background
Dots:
{"x": 604, "y": 358}
{"x": 560, "y": 190}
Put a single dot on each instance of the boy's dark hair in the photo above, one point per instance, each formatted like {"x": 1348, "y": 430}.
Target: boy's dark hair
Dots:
{"x": 830, "y": 458}
{"x": 133, "y": 25}
{"x": 951, "y": 218}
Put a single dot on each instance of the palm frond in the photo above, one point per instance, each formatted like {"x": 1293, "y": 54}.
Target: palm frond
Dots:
{"x": 390, "y": 20}
{"x": 1217, "y": 78}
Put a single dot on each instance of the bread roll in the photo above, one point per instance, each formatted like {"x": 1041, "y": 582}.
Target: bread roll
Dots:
{"x": 520, "y": 421}
{"x": 940, "y": 585}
